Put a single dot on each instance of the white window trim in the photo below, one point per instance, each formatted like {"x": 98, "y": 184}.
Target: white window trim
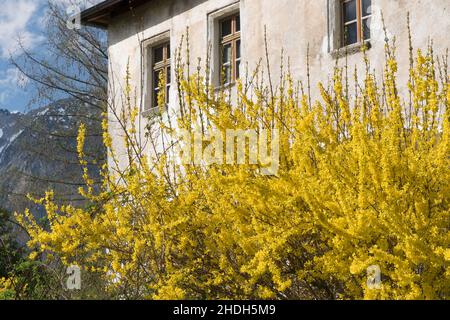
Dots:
{"x": 147, "y": 71}
{"x": 214, "y": 39}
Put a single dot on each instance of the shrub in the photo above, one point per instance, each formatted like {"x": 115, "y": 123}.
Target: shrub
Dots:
{"x": 363, "y": 181}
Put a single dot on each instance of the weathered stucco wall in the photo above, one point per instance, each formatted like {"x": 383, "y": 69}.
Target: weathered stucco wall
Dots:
{"x": 291, "y": 26}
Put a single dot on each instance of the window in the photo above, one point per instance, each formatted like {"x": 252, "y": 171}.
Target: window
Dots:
{"x": 224, "y": 30}
{"x": 160, "y": 68}
{"x": 156, "y": 63}
{"x": 230, "y": 48}
{"x": 356, "y": 16}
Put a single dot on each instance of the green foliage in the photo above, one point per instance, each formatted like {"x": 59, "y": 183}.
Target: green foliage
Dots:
{"x": 20, "y": 277}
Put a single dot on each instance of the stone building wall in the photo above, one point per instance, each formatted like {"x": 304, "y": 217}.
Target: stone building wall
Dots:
{"x": 292, "y": 25}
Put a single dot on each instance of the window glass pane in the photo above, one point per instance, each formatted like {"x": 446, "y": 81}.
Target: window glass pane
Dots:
{"x": 238, "y": 23}
{"x": 366, "y": 28}
{"x": 238, "y": 69}
{"x": 227, "y": 73}
{"x": 168, "y": 51}
{"x": 155, "y": 97}
{"x": 226, "y": 53}
{"x": 168, "y": 75}
{"x": 350, "y": 11}
{"x": 238, "y": 49}
{"x": 167, "y": 94}
{"x": 366, "y": 7}
{"x": 226, "y": 27}
{"x": 158, "y": 54}
{"x": 156, "y": 78}
{"x": 350, "y": 34}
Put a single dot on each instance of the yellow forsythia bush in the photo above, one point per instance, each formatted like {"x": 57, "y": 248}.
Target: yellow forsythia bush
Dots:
{"x": 363, "y": 181}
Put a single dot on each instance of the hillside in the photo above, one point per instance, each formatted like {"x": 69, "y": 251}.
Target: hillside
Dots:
{"x": 38, "y": 153}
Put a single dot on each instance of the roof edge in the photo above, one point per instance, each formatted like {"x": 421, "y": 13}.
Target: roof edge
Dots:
{"x": 99, "y": 16}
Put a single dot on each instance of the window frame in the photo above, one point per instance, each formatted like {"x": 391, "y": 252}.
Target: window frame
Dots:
{"x": 360, "y": 19}
{"x": 231, "y": 39}
{"x": 148, "y": 109}
{"x": 213, "y": 40}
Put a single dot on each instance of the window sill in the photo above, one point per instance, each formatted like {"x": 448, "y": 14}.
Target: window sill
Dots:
{"x": 151, "y": 112}
{"x": 350, "y": 49}
{"x": 228, "y": 86}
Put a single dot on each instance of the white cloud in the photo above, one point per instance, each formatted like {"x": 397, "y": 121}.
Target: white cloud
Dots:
{"x": 3, "y": 97}
{"x": 20, "y": 19}
{"x": 81, "y": 3}
{"x": 15, "y": 17}
{"x": 11, "y": 83}
{"x": 23, "y": 20}
{"x": 12, "y": 77}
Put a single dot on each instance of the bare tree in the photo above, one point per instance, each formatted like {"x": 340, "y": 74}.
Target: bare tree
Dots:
{"x": 68, "y": 76}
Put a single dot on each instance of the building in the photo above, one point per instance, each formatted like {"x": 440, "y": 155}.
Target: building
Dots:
{"x": 145, "y": 33}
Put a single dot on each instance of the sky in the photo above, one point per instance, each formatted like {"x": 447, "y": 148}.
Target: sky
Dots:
{"x": 24, "y": 20}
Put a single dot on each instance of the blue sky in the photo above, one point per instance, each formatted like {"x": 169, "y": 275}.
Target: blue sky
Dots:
{"x": 24, "y": 20}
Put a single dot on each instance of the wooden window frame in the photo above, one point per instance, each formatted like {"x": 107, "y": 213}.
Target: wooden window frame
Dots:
{"x": 163, "y": 65}
{"x": 232, "y": 39}
{"x": 359, "y": 23}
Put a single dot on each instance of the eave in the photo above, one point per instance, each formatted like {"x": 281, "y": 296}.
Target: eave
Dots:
{"x": 100, "y": 15}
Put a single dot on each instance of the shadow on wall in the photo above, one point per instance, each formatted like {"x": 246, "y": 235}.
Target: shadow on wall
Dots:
{"x": 147, "y": 16}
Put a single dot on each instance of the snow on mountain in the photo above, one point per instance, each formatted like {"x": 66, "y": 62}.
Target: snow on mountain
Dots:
{"x": 38, "y": 151}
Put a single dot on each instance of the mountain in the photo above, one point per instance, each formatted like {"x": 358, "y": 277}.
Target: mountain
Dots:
{"x": 9, "y": 128}
{"x": 38, "y": 153}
